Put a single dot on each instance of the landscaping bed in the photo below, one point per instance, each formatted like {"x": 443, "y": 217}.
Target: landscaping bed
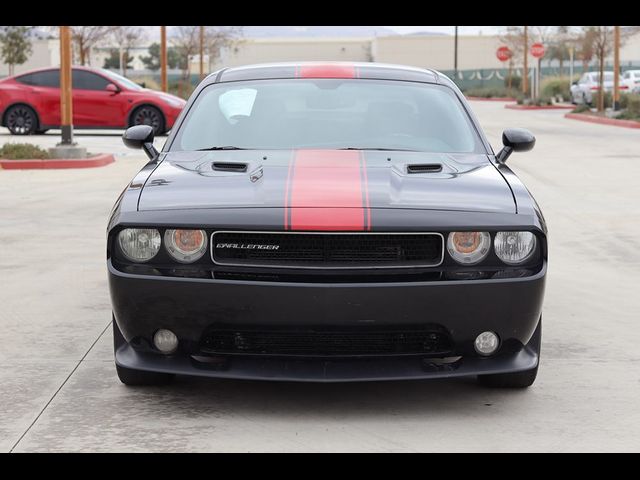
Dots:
{"x": 24, "y": 156}
{"x": 628, "y": 116}
{"x": 515, "y": 106}
{"x": 603, "y": 120}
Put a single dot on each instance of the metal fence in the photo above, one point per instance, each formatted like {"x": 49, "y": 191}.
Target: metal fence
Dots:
{"x": 496, "y": 77}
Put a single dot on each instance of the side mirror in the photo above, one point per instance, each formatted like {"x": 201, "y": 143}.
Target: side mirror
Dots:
{"x": 141, "y": 136}
{"x": 515, "y": 140}
{"x": 112, "y": 87}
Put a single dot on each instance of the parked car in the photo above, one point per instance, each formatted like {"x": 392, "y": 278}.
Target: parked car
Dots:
{"x": 30, "y": 102}
{"x": 631, "y": 78}
{"x": 339, "y": 222}
{"x": 582, "y": 91}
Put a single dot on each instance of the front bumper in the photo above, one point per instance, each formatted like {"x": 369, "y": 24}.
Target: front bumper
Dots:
{"x": 338, "y": 370}
{"x": 510, "y": 307}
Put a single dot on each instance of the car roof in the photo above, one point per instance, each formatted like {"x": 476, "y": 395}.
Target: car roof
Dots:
{"x": 369, "y": 70}
{"x": 46, "y": 69}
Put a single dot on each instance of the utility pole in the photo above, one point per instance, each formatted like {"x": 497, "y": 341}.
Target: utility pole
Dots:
{"x": 525, "y": 73}
{"x": 66, "y": 93}
{"x": 67, "y": 148}
{"x": 616, "y": 68}
{"x": 455, "y": 57}
{"x": 163, "y": 59}
{"x": 201, "y": 53}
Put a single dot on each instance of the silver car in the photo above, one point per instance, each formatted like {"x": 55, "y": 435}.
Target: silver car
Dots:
{"x": 582, "y": 91}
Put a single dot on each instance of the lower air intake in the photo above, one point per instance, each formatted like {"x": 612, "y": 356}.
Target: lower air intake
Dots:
{"x": 322, "y": 342}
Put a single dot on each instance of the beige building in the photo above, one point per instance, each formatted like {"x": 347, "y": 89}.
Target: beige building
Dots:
{"x": 437, "y": 52}
{"x": 264, "y": 50}
{"x": 45, "y": 53}
{"x": 426, "y": 51}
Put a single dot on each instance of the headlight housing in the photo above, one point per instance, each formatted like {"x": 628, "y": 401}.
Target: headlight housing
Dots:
{"x": 185, "y": 246}
{"x": 468, "y": 248}
{"x": 139, "y": 244}
{"x": 514, "y": 248}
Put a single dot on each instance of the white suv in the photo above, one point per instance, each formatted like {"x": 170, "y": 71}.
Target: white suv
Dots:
{"x": 631, "y": 78}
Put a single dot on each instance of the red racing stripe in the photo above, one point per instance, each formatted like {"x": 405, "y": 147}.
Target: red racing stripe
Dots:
{"x": 327, "y": 191}
{"x": 327, "y": 71}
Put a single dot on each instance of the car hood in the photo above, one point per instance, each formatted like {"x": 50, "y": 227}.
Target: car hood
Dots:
{"x": 326, "y": 178}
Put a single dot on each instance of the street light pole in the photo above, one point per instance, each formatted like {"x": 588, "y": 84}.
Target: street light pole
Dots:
{"x": 66, "y": 96}
{"x": 163, "y": 58}
{"x": 201, "y": 53}
{"x": 455, "y": 56}
{"x": 616, "y": 68}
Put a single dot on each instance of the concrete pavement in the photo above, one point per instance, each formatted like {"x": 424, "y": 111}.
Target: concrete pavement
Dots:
{"x": 59, "y": 390}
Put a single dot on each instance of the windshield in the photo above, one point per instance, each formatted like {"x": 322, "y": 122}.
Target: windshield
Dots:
{"x": 125, "y": 82}
{"x": 328, "y": 113}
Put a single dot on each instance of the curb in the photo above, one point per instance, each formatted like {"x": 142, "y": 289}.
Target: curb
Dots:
{"x": 603, "y": 121}
{"x": 57, "y": 163}
{"x": 492, "y": 99}
{"x": 542, "y": 107}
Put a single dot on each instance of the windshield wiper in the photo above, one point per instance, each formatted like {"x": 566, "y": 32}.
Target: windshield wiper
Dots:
{"x": 225, "y": 147}
{"x": 380, "y": 149}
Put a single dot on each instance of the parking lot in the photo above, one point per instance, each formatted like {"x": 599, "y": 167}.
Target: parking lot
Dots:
{"x": 59, "y": 390}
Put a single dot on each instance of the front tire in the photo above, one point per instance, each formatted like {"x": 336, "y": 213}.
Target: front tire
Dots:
{"x": 522, "y": 379}
{"x": 21, "y": 120}
{"x": 132, "y": 377}
{"x": 148, "y": 115}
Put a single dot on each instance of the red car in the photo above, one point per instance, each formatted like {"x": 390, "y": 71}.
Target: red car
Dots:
{"x": 30, "y": 102}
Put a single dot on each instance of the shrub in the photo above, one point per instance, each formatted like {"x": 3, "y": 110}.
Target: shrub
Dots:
{"x": 555, "y": 87}
{"x": 581, "y": 108}
{"x": 22, "y": 151}
{"x": 632, "y": 107}
{"x": 491, "y": 92}
{"x": 516, "y": 82}
{"x": 147, "y": 82}
{"x": 181, "y": 89}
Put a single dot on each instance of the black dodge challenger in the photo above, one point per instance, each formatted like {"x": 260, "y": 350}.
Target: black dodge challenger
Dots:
{"x": 327, "y": 222}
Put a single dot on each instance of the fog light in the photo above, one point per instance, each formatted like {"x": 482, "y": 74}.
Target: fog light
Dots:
{"x": 486, "y": 343}
{"x": 165, "y": 341}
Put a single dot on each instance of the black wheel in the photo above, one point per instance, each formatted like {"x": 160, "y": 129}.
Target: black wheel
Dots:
{"x": 148, "y": 115}
{"x": 132, "y": 377}
{"x": 21, "y": 120}
{"x": 518, "y": 379}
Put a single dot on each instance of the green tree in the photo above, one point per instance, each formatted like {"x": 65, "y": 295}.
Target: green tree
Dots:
{"x": 15, "y": 45}
{"x": 152, "y": 62}
{"x": 113, "y": 60}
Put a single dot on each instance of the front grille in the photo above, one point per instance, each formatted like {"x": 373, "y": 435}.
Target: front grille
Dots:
{"x": 325, "y": 342}
{"x": 327, "y": 250}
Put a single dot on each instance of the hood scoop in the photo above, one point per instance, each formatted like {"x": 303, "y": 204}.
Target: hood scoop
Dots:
{"x": 229, "y": 167}
{"x": 424, "y": 168}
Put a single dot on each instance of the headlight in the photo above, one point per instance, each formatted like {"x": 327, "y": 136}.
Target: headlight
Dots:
{"x": 139, "y": 244}
{"x": 514, "y": 247}
{"x": 468, "y": 248}
{"x": 186, "y": 246}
